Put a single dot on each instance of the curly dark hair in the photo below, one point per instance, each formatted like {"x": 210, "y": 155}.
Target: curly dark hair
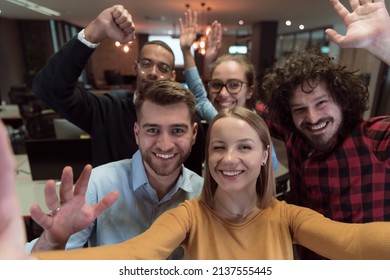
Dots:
{"x": 309, "y": 67}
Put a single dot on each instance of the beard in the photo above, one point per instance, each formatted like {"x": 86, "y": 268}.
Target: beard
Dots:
{"x": 324, "y": 141}
{"x": 161, "y": 167}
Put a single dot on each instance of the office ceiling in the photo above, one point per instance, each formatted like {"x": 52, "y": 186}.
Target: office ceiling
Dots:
{"x": 157, "y": 17}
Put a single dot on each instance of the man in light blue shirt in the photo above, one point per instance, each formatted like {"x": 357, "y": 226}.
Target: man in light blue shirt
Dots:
{"x": 153, "y": 181}
{"x": 137, "y": 206}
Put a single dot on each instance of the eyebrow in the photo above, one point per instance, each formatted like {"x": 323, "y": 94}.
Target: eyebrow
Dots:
{"x": 218, "y": 141}
{"x": 158, "y": 62}
{"x": 183, "y": 125}
{"x": 314, "y": 100}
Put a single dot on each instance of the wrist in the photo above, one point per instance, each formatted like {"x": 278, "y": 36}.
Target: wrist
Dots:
{"x": 43, "y": 244}
{"x": 88, "y": 42}
{"x": 186, "y": 49}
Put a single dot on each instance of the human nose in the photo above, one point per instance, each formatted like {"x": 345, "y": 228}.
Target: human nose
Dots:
{"x": 152, "y": 73}
{"x": 164, "y": 142}
{"x": 224, "y": 91}
{"x": 312, "y": 115}
{"x": 229, "y": 156}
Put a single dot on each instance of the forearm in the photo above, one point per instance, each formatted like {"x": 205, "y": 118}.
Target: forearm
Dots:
{"x": 203, "y": 105}
{"x": 381, "y": 48}
{"x": 57, "y": 80}
{"x": 189, "y": 60}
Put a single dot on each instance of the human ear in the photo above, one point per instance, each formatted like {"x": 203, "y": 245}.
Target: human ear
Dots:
{"x": 265, "y": 156}
{"x": 173, "y": 75}
{"x": 136, "y": 132}
{"x": 195, "y": 132}
{"x": 249, "y": 94}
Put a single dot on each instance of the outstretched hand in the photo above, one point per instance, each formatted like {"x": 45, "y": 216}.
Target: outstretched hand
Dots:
{"x": 214, "y": 42}
{"x": 115, "y": 23}
{"x": 70, "y": 213}
{"x": 12, "y": 231}
{"x": 188, "y": 29}
{"x": 368, "y": 27}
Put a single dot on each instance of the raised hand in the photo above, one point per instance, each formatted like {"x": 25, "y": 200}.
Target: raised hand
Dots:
{"x": 188, "y": 29}
{"x": 368, "y": 27}
{"x": 12, "y": 231}
{"x": 115, "y": 23}
{"x": 70, "y": 213}
{"x": 214, "y": 42}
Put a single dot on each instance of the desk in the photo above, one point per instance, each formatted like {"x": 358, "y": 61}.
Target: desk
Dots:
{"x": 29, "y": 192}
{"x": 9, "y": 112}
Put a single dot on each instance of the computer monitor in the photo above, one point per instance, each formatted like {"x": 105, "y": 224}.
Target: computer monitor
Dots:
{"x": 48, "y": 157}
{"x": 64, "y": 129}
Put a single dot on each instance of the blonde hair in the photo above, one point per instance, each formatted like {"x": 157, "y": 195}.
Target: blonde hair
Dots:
{"x": 265, "y": 185}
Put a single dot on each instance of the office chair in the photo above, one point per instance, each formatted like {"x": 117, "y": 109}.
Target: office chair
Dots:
{"x": 282, "y": 186}
{"x": 41, "y": 126}
{"x": 17, "y": 94}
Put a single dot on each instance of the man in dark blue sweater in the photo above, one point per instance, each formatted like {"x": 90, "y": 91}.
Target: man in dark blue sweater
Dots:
{"x": 109, "y": 119}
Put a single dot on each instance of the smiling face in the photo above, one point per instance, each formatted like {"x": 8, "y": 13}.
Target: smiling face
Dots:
{"x": 227, "y": 71}
{"x": 165, "y": 135}
{"x": 155, "y": 57}
{"x": 316, "y": 116}
{"x": 236, "y": 155}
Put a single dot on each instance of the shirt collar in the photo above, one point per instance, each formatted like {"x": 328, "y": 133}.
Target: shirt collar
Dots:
{"x": 141, "y": 179}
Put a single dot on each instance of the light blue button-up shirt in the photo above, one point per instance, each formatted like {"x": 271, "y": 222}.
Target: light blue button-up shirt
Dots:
{"x": 137, "y": 206}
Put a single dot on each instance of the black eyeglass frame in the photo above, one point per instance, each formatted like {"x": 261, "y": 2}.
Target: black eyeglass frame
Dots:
{"x": 147, "y": 65}
{"x": 226, "y": 85}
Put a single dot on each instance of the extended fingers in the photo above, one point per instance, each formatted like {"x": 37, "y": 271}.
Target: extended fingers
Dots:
{"x": 341, "y": 10}
{"x": 51, "y": 197}
{"x": 82, "y": 182}
{"x": 215, "y": 36}
{"x": 191, "y": 18}
{"x": 105, "y": 203}
{"x": 42, "y": 219}
{"x": 66, "y": 188}
{"x": 334, "y": 36}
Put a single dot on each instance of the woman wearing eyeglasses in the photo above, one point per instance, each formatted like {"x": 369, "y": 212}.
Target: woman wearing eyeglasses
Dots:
{"x": 233, "y": 77}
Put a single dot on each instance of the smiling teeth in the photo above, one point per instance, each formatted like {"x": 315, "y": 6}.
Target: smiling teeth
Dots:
{"x": 231, "y": 173}
{"x": 319, "y": 126}
{"x": 165, "y": 156}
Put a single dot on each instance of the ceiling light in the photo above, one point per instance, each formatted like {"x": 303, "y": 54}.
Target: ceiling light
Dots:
{"x": 35, "y": 7}
{"x": 205, "y": 27}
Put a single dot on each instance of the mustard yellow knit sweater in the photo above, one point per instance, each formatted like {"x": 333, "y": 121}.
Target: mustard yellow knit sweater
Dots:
{"x": 268, "y": 235}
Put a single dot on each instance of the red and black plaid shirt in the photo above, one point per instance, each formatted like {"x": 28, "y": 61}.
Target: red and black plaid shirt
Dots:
{"x": 349, "y": 184}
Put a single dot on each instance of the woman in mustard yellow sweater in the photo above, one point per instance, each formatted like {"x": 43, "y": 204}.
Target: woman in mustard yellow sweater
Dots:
{"x": 237, "y": 215}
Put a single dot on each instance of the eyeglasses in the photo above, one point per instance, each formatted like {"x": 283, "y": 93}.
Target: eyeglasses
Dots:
{"x": 147, "y": 65}
{"x": 232, "y": 86}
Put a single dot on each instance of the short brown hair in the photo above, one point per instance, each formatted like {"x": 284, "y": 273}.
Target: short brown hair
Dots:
{"x": 166, "y": 93}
